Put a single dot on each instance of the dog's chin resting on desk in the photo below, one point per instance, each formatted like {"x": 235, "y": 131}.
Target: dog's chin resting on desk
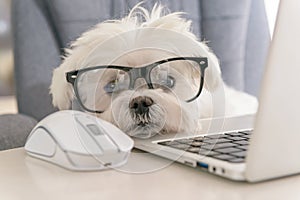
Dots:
{"x": 154, "y": 98}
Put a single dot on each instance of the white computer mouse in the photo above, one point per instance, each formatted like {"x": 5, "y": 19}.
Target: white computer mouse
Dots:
{"x": 79, "y": 141}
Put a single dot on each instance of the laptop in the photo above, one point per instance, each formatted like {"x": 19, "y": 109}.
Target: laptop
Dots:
{"x": 251, "y": 148}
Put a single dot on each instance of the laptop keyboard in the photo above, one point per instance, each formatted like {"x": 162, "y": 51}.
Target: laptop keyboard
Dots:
{"x": 230, "y": 147}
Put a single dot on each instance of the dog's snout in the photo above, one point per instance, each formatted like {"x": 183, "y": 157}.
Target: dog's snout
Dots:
{"x": 140, "y": 105}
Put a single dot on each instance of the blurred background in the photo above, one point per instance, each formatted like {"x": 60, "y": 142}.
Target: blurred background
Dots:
{"x": 6, "y": 58}
{"x": 7, "y": 100}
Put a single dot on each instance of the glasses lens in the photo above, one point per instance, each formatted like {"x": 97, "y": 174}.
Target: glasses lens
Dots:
{"x": 96, "y": 87}
{"x": 181, "y": 77}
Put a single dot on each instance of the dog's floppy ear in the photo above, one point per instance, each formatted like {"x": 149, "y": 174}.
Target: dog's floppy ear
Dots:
{"x": 213, "y": 77}
{"x": 61, "y": 90}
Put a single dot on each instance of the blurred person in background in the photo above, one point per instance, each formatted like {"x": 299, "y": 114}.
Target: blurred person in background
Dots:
{"x": 6, "y": 58}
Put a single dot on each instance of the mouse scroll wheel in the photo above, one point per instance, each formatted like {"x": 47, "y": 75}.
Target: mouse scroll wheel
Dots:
{"x": 94, "y": 129}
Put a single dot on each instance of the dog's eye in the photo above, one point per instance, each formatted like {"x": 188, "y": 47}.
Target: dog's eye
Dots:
{"x": 116, "y": 85}
{"x": 111, "y": 86}
{"x": 169, "y": 82}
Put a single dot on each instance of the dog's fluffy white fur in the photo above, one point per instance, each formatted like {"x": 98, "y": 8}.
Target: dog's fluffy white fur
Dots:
{"x": 141, "y": 38}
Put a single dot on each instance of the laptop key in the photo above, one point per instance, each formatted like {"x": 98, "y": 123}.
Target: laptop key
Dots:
{"x": 214, "y": 141}
{"x": 228, "y": 150}
{"x": 218, "y": 146}
{"x": 247, "y": 132}
{"x": 237, "y": 160}
{"x": 196, "y": 144}
{"x": 206, "y": 152}
{"x": 224, "y": 157}
{"x": 241, "y": 142}
{"x": 217, "y": 136}
{"x": 239, "y": 154}
{"x": 203, "y": 152}
{"x": 193, "y": 150}
{"x": 244, "y": 147}
{"x": 246, "y": 136}
{"x": 198, "y": 139}
{"x": 234, "y": 134}
{"x": 236, "y": 138}
{"x": 168, "y": 143}
{"x": 185, "y": 141}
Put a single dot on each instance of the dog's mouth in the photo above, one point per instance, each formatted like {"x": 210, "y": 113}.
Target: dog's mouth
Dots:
{"x": 144, "y": 127}
{"x": 144, "y": 131}
{"x": 141, "y": 120}
{"x": 142, "y": 124}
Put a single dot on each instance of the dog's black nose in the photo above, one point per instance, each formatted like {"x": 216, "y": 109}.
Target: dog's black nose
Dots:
{"x": 140, "y": 105}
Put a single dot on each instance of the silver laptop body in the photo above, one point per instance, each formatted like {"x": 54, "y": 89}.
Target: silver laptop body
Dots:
{"x": 274, "y": 147}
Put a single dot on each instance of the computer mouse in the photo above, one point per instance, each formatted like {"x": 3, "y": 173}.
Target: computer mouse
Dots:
{"x": 78, "y": 141}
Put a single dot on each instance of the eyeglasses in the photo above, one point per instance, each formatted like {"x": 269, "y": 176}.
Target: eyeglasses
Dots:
{"x": 180, "y": 76}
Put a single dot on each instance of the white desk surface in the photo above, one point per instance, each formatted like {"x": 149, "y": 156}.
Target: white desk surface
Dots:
{"x": 23, "y": 177}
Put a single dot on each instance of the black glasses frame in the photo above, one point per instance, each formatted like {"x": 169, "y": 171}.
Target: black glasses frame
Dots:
{"x": 135, "y": 73}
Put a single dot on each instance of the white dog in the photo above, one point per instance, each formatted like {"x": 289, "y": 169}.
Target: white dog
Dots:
{"x": 140, "y": 97}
